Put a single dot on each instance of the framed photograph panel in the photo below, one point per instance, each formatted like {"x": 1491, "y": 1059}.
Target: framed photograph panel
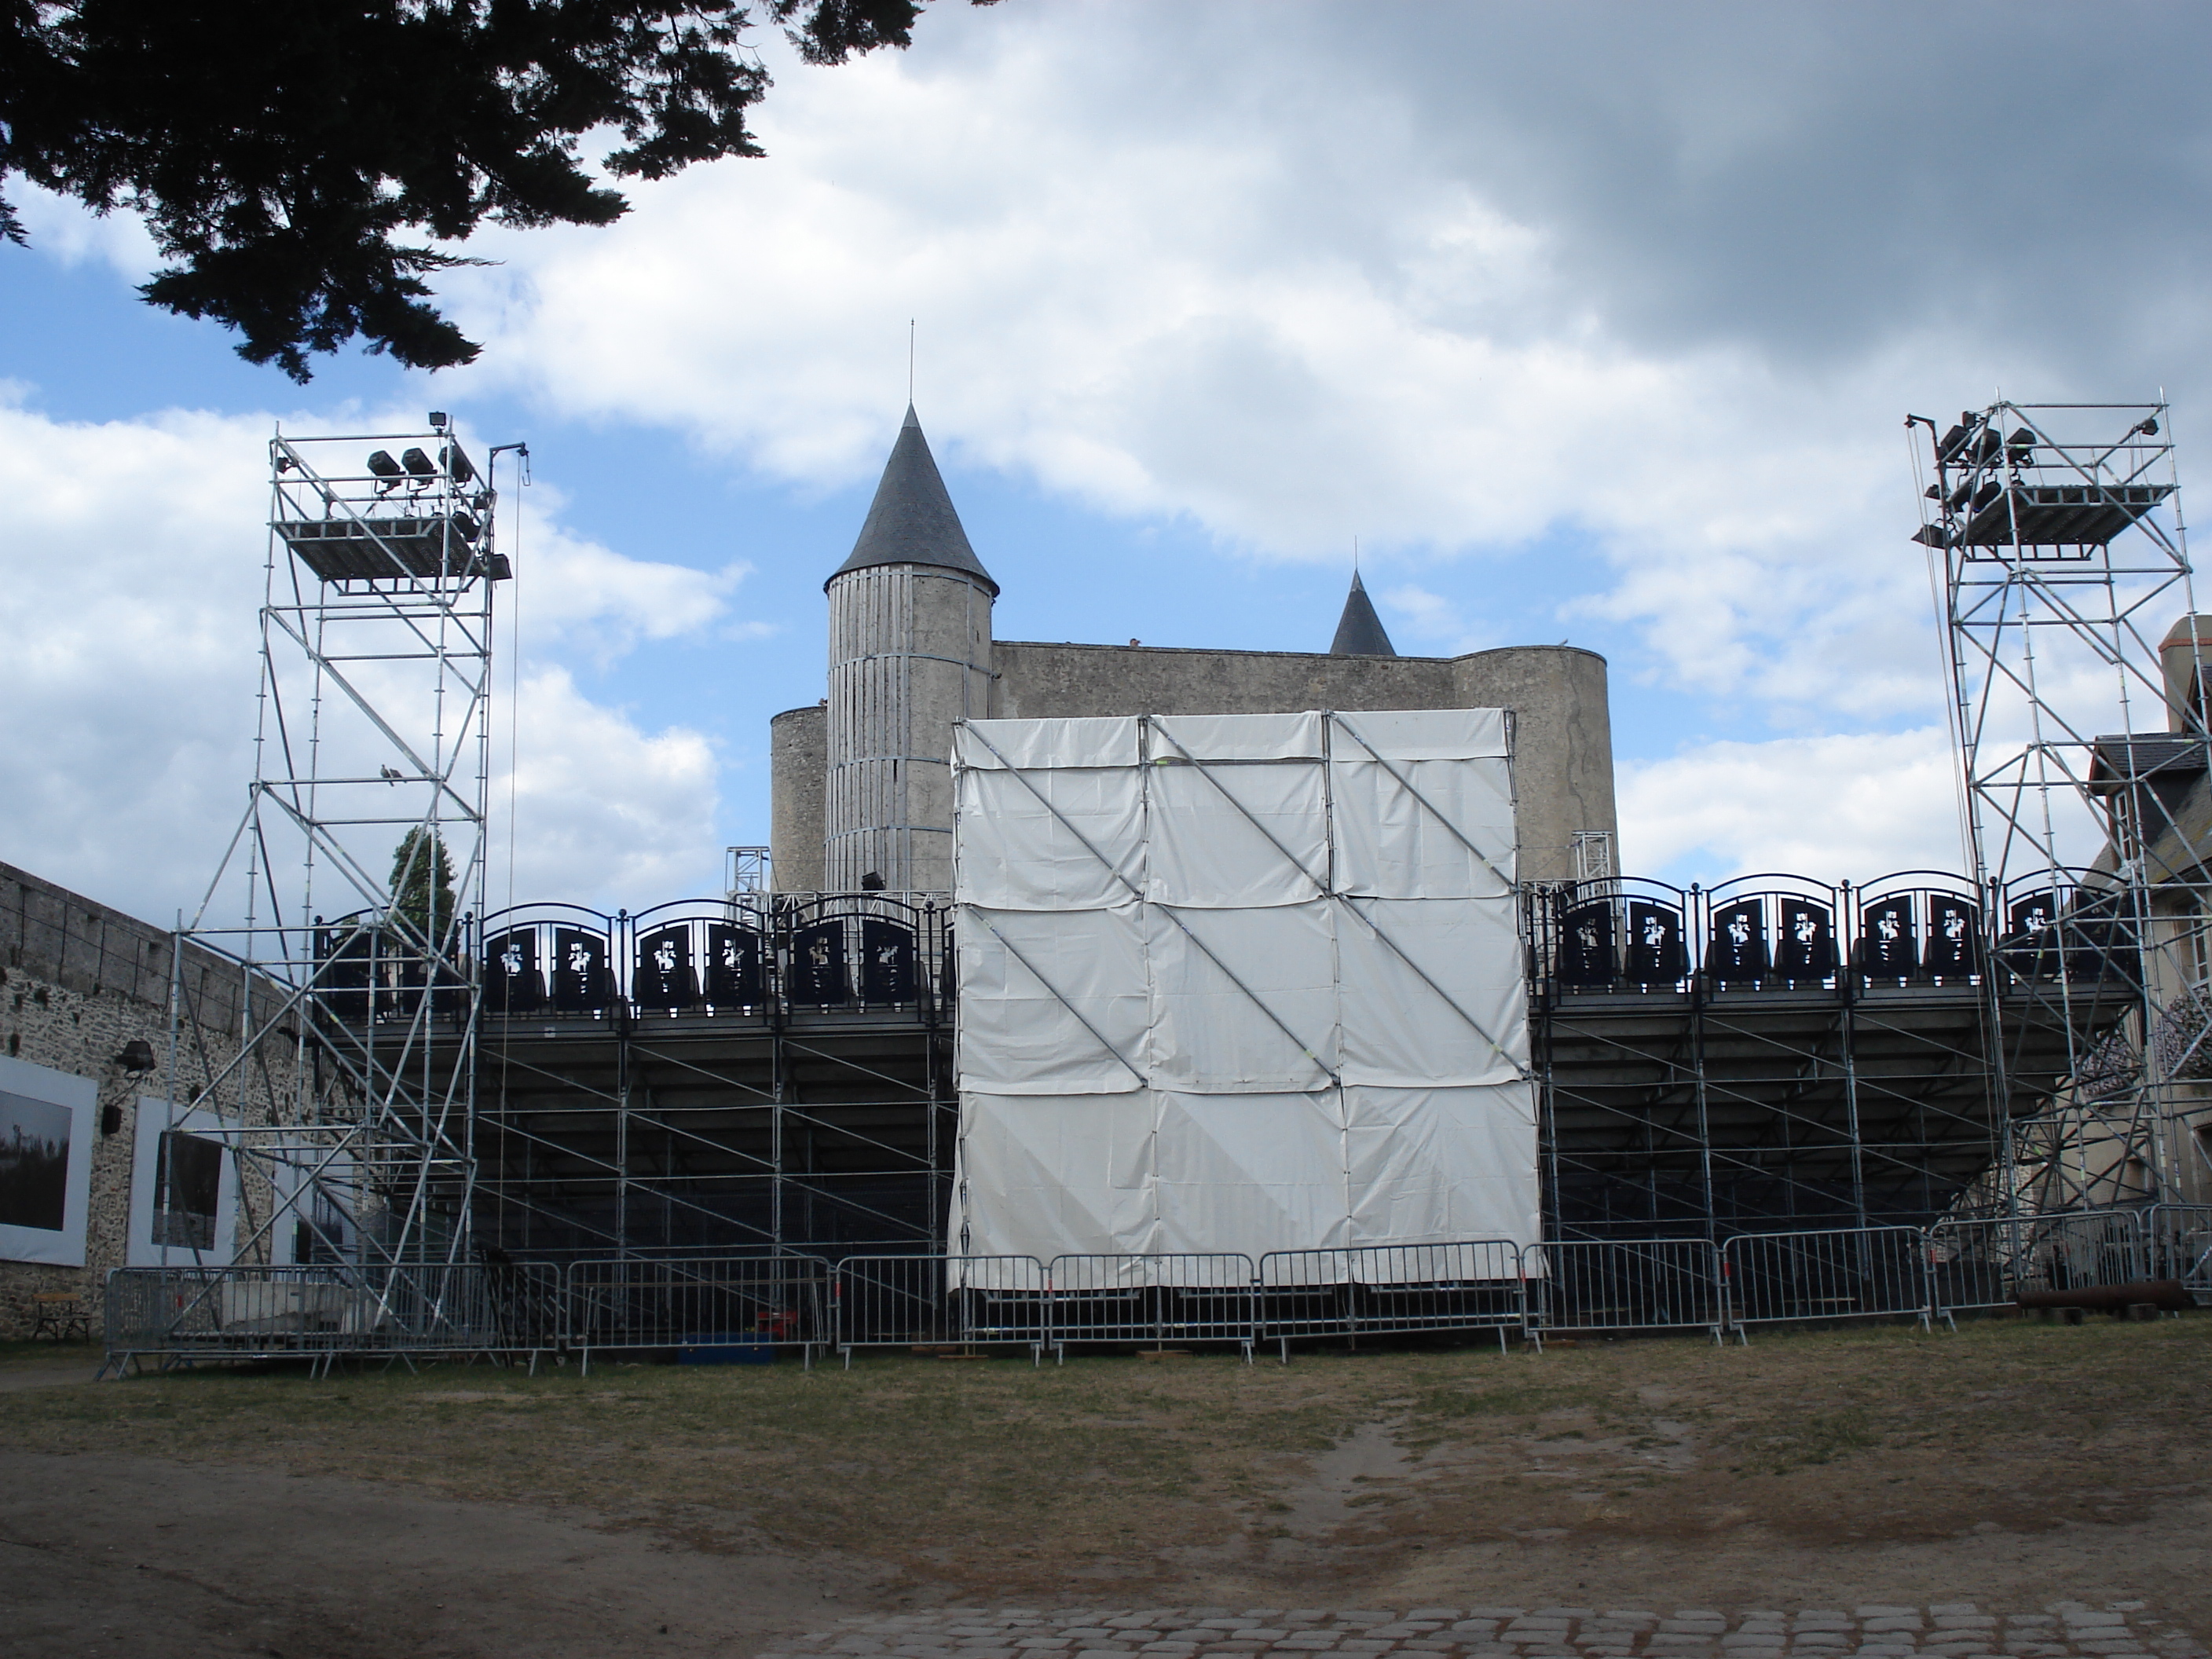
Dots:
{"x": 46, "y": 1125}
{"x": 184, "y": 1188}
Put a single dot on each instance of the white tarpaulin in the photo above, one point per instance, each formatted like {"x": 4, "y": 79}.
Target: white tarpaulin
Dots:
{"x": 1239, "y": 982}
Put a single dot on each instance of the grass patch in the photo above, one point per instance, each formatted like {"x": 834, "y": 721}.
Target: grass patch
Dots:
{"x": 1006, "y": 1479}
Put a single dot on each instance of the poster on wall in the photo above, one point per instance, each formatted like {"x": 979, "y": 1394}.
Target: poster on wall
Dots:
{"x": 46, "y": 1163}
{"x": 184, "y": 1188}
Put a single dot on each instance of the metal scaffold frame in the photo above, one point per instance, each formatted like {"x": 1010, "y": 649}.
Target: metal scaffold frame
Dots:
{"x": 761, "y": 1072}
{"x": 2054, "y": 534}
{"x": 347, "y": 896}
{"x": 1777, "y": 1052}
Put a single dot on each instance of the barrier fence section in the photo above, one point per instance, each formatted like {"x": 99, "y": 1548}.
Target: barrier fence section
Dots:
{"x": 1158, "y": 1298}
{"x": 1645, "y": 1284}
{"x": 909, "y": 1301}
{"x": 256, "y": 1312}
{"x": 2178, "y": 1243}
{"x": 1850, "y": 1273}
{"x": 743, "y": 1308}
{"x": 719, "y": 1308}
{"x": 2081, "y": 1249}
{"x": 1392, "y": 1289}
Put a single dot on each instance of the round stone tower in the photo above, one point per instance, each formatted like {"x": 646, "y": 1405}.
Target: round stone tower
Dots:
{"x": 909, "y": 653}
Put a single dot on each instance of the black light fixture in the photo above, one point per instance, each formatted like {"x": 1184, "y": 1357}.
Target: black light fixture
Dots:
{"x": 418, "y": 464}
{"x": 381, "y": 463}
{"x": 2147, "y": 426}
{"x": 872, "y": 882}
{"x": 137, "y": 1055}
{"x": 437, "y": 420}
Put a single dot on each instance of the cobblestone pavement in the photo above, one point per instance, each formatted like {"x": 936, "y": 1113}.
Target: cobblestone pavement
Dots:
{"x": 1944, "y": 1630}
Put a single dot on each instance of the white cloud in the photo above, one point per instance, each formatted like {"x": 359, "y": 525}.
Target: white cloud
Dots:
{"x": 63, "y": 228}
{"x": 130, "y": 583}
{"x": 611, "y": 814}
{"x": 584, "y": 597}
{"x": 1468, "y": 280}
{"x": 1173, "y": 294}
{"x": 1833, "y": 808}
{"x": 1431, "y": 619}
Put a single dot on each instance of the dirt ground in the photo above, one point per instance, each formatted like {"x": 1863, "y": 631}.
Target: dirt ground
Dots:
{"x": 480, "y": 1511}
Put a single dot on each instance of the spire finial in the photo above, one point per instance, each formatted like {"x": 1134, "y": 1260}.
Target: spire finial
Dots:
{"x": 909, "y": 362}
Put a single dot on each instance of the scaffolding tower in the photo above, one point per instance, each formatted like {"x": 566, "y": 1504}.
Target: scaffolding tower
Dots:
{"x": 2078, "y": 720}
{"x": 347, "y": 897}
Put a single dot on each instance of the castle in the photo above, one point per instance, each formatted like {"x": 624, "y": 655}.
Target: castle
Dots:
{"x": 861, "y": 781}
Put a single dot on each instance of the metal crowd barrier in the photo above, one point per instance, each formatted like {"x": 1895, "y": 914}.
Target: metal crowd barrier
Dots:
{"x": 2079, "y": 1249}
{"x": 1641, "y": 1285}
{"x": 1976, "y": 1262}
{"x": 745, "y": 1308}
{"x": 1162, "y": 1297}
{"x": 1392, "y": 1289}
{"x": 737, "y": 1308}
{"x": 929, "y": 1301}
{"x": 264, "y": 1313}
{"x": 2178, "y": 1244}
{"x": 1855, "y": 1272}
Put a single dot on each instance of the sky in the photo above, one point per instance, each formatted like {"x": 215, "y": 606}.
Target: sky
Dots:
{"x": 1584, "y": 322}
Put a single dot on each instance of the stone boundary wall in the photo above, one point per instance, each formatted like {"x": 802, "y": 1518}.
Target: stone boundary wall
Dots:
{"x": 79, "y": 982}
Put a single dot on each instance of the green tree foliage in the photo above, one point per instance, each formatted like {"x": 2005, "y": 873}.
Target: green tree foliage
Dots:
{"x": 423, "y": 884}
{"x": 279, "y": 150}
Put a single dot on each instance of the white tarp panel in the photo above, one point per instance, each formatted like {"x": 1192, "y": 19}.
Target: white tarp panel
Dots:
{"x": 1240, "y": 983}
{"x": 1055, "y": 1001}
{"x": 1243, "y": 1001}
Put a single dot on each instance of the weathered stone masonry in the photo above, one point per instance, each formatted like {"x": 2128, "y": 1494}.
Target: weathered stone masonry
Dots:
{"x": 79, "y": 983}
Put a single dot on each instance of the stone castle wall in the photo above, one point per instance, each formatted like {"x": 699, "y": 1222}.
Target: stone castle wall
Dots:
{"x": 79, "y": 982}
{"x": 1562, "y": 733}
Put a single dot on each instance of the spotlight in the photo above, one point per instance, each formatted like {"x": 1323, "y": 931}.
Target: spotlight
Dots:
{"x": 437, "y": 420}
{"x": 459, "y": 467}
{"x": 2149, "y": 427}
{"x": 137, "y": 1055}
{"x": 383, "y": 466}
{"x": 418, "y": 464}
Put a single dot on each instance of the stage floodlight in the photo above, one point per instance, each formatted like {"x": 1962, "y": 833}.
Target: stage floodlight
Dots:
{"x": 418, "y": 464}
{"x": 2020, "y": 448}
{"x": 437, "y": 420}
{"x": 459, "y": 467}
{"x": 381, "y": 463}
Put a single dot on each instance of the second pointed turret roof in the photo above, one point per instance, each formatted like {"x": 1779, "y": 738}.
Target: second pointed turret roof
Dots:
{"x": 1359, "y": 630}
{"x": 912, "y": 521}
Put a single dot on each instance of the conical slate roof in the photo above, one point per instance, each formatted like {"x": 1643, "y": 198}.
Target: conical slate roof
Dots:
{"x": 911, "y": 520}
{"x": 1359, "y": 631}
